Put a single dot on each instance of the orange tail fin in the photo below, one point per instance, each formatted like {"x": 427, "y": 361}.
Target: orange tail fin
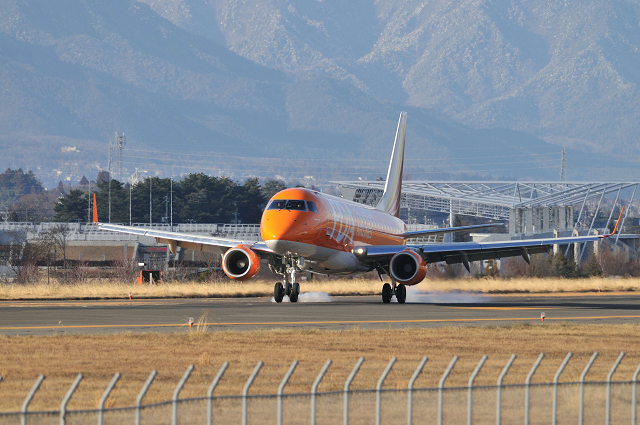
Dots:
{"x": 615, "y": 229}
{"x": 95, "y": 209}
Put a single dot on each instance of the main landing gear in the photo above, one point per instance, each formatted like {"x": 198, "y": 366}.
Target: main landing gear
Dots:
{"x": 290, "y": 288}
{"x": 400, "y": 291}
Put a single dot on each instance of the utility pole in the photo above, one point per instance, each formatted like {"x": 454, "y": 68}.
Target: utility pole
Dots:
{"x": 110, "y": 170}
{"x": 150, "y": 201}
{"x": 130, "y": 190}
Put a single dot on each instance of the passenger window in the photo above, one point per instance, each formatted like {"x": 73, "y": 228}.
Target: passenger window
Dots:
{"x": 312, "y": 207}
{"x": 296, "y": 205}
{"x": 278, "y": 204}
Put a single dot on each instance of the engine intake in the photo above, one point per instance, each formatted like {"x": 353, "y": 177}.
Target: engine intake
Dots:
{"x": 408, "y": 267}
{"x": 240, "y": 263}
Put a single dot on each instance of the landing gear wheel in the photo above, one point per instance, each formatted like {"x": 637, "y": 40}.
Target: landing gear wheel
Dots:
{"x": 295, "y": 291}
{"x": 401, "y": 294}
{"x": 278, "y": 292}
{"x": 386, "y": 293}
{"x": 287, "y": 289}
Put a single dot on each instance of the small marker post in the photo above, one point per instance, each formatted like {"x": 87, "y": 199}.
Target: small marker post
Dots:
{"x": 599, "y": 288}
{"x": 191, "y": 322}
{"x": 129, "y": 296}
{"x": 542, "y": 316}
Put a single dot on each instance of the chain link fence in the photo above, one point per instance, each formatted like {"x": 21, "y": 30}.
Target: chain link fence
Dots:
{"x": 581, "y": 402}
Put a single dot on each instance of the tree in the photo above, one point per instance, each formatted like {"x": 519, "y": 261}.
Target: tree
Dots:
{"x": 271, "y": 187}
{"x": 34, "y": 207}
{"x": 72, "y": 207}
{"x": 207, "y": 199}
{"x": 140, "y": 199}
{"x": 119, "y": 201}
{"x": 14, "y": 184}
{"x": 58, "y": 238}
{"x": 249, "y": 200}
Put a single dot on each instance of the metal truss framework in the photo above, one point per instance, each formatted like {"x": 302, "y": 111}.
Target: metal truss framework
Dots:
{"x": 487, "y": 199}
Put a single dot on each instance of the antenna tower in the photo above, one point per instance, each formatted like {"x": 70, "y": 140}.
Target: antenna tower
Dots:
{"x": 136, "y": 177}
{"x": 119, "y": 142}
{"x": 563, "y": 166}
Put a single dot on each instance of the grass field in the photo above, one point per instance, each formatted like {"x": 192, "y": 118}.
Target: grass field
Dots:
{"x": 99, "y": 289}
{"x": 98, "y": 357}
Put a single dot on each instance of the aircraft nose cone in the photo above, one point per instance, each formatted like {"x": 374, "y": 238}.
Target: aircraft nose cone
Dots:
{"x": 272, "y": 229}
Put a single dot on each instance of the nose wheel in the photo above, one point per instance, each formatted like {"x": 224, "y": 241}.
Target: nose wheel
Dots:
{"x": 400, "y": 291}
{"x": 290, "y": 289}
{"x": 278, "y": 292}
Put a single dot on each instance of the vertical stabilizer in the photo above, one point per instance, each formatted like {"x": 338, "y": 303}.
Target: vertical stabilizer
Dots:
{"x": 390, "y": 202}
{"x": 95, "y": 209}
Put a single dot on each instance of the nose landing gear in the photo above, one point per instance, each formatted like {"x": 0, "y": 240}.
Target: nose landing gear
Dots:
{"x": 290, "y": 288}
{"x": 400, "y": 291}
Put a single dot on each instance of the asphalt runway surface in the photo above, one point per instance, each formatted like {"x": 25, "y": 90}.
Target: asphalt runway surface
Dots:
{"x": 365, "y": 312}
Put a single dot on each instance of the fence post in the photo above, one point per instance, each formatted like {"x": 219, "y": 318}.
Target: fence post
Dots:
{"x": 379, "y": 388}
{"x": 470, "y": 389}
{"x": 104, "y": 397}
{"x": 527, "y": 388}
{"x": 245, "y": 391}
{"x": 176, "y": 393}
{"x": 634, "y": 395}
{"x": 499, "y": 389}
{"x": 314, "y": 390}
{"x": 410, "y": 389}
{"x": 554, "y": 417}
{"x": 609, "y": 377}
{"x": 212, "y": 387}
{"x": 25, "y": 404}
{"x": 281, "y": 388}
{"x": 347, "y": 384}
{"x": 583, "y": 375}
{"x": 67, "y": 397}
{"x": 143, "y": 391}
{"x": 441, "y": 386}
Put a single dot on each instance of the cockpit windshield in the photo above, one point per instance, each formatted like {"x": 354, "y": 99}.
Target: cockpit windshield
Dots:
{"x": 293, "y": 204}
{"x": 296, "y": 205}
{"x": 278, "y": 204}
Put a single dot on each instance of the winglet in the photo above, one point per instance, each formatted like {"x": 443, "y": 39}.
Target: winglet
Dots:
{"x": 95, "y": 209}
{"x": 615, "y": 229}
{"x": 390, "y": 202}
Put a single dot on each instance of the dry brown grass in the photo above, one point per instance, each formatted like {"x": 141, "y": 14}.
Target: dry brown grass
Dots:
{"x": 98, "y": 357}
{"x": 102, "y": 289}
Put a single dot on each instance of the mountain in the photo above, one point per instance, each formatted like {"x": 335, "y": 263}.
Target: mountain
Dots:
{"x": 567, "y": 72}
{"x": 301, "y": 90}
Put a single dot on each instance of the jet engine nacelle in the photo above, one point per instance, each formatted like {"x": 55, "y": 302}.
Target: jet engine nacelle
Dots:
{"x": 240, "y": 263}
{"x": 408, "y": 267}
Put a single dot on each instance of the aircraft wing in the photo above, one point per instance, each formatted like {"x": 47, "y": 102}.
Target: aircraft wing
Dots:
{"x": 428, "y": 232}
{"x": 466, "y": 252}
{"x": 188, "y": 241}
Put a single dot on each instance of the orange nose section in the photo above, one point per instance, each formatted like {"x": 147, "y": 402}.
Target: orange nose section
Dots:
{"x": 274, "y": 225}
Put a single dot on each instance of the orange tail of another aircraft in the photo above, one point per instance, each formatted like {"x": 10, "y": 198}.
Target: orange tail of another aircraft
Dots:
{"x": 95, "y": 209}
{"x": 390, "y": 202}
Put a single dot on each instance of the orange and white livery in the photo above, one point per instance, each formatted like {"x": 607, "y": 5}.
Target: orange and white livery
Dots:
{"x": 307, "y": 231}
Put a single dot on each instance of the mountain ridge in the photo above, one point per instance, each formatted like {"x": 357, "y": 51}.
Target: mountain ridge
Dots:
{"x": 71, "y": 75}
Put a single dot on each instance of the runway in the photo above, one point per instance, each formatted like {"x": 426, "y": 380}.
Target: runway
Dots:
{"x": 365, "y": 312}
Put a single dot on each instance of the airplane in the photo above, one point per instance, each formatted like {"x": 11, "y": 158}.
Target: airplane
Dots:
{"x": 304, "y": 230}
